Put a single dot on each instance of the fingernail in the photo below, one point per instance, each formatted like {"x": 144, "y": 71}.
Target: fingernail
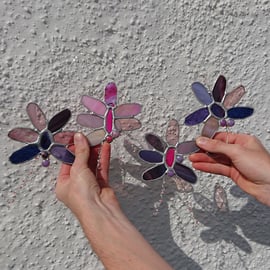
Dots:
{"x": 78, "y": 137}
{"x": 202, "y": 140}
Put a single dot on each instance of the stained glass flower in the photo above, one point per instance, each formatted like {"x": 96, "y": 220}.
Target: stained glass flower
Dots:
{"x": 218, "y": 107}
{"x": 46, "y": 139}
{"x": 107, "y": 119}
{"x": 167, "y": 157}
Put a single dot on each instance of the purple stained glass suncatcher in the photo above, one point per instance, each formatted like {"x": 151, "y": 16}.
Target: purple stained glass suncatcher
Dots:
{"x": 218, "y": 107}
{"x": 168, "y": 157}
{"x": 46, "y": 139}
{"x": 107, "y": 119}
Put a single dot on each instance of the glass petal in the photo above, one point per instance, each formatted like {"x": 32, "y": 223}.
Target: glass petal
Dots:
{"x": 127, "y": 124}
{"x": 217, "y": 110}
{"x": 64, "y": 137}
{"x": 45, "y": 140}
{"x": 172, "y": 133}
{"x": 240, "y": 112}
{"x": 219, "y": 89}
{"x": 210, "y": 127}
{"x": 185, "y": 173}
{"x": 127, "y": 110}
{"x": 197, "y": 117}
{"x": 36, "y": 116}
{"x": 94, "y": 105}
{"x": 111, "y": 94}
{"x": 59, "y": 120}
{"x": 25, "y": 135}
{"x": 61, "y": 153}
{"x": 186, "y": 148}
{"x": 151, "y": 156}
{"x": 201, "y": 93}
{"x": 155, "y": 172}
{"x": 96, "y": 137}
{"x": 155, "y": 142}
{"x": 90, "y": 120}
{"x": 234, "y": 97}
{"x": 24, "y": 154}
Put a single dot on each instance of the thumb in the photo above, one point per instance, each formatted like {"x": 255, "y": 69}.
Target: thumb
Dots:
{"x": 82, "y": 151}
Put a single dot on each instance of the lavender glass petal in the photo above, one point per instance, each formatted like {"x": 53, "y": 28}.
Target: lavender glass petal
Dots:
{"x": 94, "y": 105}
{"x": 25, "y": 135}
{"x": 36, "y": 116}
{"x": 90, "y": 120}
{"x": 156, "y": 142}
{"x": 127, "y": 124}
{"x": 219, "y": 89}
{"x": 233, "y": 97}
{"x": 185, "y": 173}
{"x": 127, "y": 110}
{"x": 24, "y": 154}
{"x": 201, "y": 93}
{"x": 59, "y": 120}
{"x": 172, "y": 133}
{"x": 240, "y": 112}
{"x": 187, "y": 147}
{"x": 62, "y": 153}
{"x": 111, "y": 94}
{"x": 210, "y": 127}
{"x": 151, "y": 156}
{"x": 155, "y": 172}
{"x": 197, "y": 117}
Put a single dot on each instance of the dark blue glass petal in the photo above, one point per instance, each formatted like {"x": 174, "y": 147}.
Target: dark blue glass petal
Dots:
{"x": 156, "y": 142}
{"x": 59, "y": 120}
{"x": 45, "y": 140}
{"x": 219, "y": 89}
{"x": 151, "y": 156}
{"x": 196, "y": 117}
{"x": 217, "y": 110}
{"x": 185, "y": 173}
{"x": 24, "y": 154}
{"x": 240, "y": 112}
{"x": 154, "y": 173}
{"x": 201, "y": 93}
{"x": 62, "y": 153}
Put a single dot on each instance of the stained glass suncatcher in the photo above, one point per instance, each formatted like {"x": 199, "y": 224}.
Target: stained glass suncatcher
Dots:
{"x": 107, "y": 119}
{"x": 46, "y": 139}
{"x": 219, "y": 107}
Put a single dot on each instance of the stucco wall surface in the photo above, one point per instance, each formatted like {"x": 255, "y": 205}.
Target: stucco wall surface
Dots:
{"x": 53, "y": 52}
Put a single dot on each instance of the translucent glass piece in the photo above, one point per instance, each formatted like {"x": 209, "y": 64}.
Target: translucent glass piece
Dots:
{"x": 151, "y": 156}
{"x": 172, "y": 133}
{"x": 24, "y": 154}
{"x": 155, "y": 142}
{"x": 127, "y": 110}
{"x": 217, "y": 110}
{"x": 45, "y": 140}
{"x": 185, "y": 173}
{"x": 59, "y": 120}
{"x": 233, "y": 97}
{"x": 127, "y": 124}
{"x": 61, "y": 153}
{"x": 109, "y": 121}
{"x": 186, "y": 148}
{"x": 90, "y": 120}
{"x": 240, "y": 112}
{"x": 25, "y": 135}
{"x": 94, "y": 105}
{"x": 210, "y": 127}
{"x": 219, "y": 89}
{"x": 197, "y": 117}
{"x": 64, "y": 137}
{"x": 96, "y": 137}
{"x": 36, "y": 116}
{"x": 170, "y": 156}
{"x": 155, "y": 172}
{"x": 111, "y": 94}
{"x": 201, "y": 93}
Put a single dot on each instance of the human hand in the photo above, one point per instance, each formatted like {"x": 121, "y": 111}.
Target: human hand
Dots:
{"x": 239, "y": 156}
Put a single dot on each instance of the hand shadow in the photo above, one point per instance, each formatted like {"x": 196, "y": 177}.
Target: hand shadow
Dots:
{"x": 138, "y": 204}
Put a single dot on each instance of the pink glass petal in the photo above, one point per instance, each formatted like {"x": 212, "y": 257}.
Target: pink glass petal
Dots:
{"x": 96, "y": 137}
{"x": 64, "y": 137}
{"x": 219, "y": 89}
{"x": 127, "y": 124}
{"x": 201, "y": 93}
{"x": 127, "y": 110}
{"x": 170, "y": 156}
{"x": 234, "y": 97}
{"x": 109, "y": 121}
{"x": 186, "y": 148}
{"x": 36, "y": 116}
{"x": 210, "y": 127}
{"x": 90, "y": 120}
{"x": 25, "y": 135}
{"x": 94, "y": 105}
{"x": 111, "y": 94}
{"x": 172, "y": 133}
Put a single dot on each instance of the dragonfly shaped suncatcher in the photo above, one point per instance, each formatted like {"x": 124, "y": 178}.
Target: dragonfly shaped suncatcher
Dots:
{"x": 107, "y": 119}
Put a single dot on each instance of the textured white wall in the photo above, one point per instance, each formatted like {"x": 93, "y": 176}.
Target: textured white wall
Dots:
{"x": 52, "y": 52}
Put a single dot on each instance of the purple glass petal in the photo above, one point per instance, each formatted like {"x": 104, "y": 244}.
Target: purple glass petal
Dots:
{"x": 186, "y": 148}
{"x": 210, "y": 128}
{"x": 197, "y": 117}
{"x": 94, "y": 105}
{"x": 90, "y": 120}
{"x": 217, "y": 110}
{"x": 234, "y": 97}
{"x": 24, "y": 154}
{"x": 185, "y": 173}
{"x": 61, "y": 153}
{"x": 201, "y": 93}
{"x": 111, "y": 94}
{"x": 240, "y": 112}
{"x": 151, "y": 156}
{"x": 96, "y": 137}
{"x": 155, "y": 142}
{"x": 59, "y": 120}
{"x": 172, "y": 133}
{"x": 155, "y": 172}
{"x": 219, "y": 89}
{"x": 127, "y": 110}
{"x": 127, "y": 124}
{"x": 64, "y": 137}
{"x": 25, "y": 135}
{"x": 36, "y": 116}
